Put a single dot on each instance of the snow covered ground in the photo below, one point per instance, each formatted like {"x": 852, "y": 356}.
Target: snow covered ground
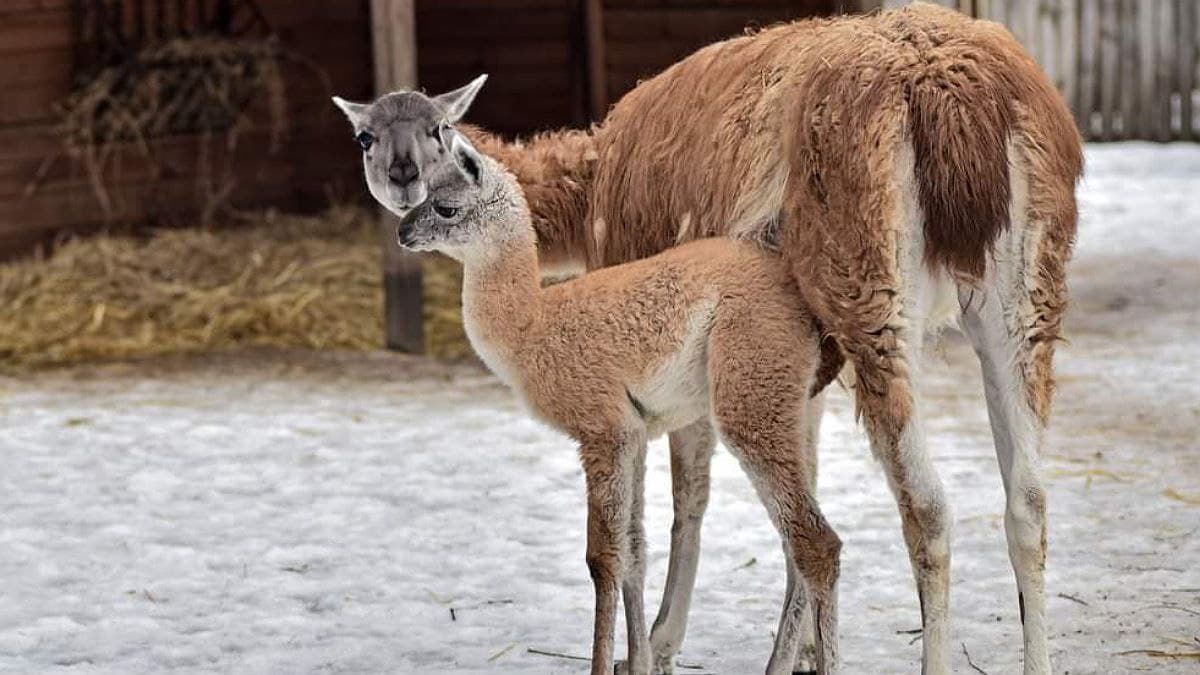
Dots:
{"x": 295, "y": 513}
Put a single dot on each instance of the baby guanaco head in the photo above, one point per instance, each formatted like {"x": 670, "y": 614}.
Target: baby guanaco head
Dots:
{"x": 475, "y": 209}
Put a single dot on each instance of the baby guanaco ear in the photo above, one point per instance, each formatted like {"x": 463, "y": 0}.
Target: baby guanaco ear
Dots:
{"x": 467, "y": 160}
{"x": 355, "y": 112}
{"x": 456, "y": 102}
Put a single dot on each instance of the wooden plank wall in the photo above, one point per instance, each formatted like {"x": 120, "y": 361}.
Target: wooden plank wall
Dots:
{"x": 642, "y": 37}
{"x": 524, "y": 45}
{"x": 40, "y": 199}
{"x": 534, "y": 49}
{"x": 1129, "y": 69}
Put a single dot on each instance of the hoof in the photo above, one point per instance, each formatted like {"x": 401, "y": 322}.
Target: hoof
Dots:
{"x": 806, "y": 660}
{"x": 622, "y": 668}
{"x": 663, "y": 666}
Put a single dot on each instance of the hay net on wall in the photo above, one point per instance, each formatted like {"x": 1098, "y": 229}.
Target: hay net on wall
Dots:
{"x": 208, "y": 69}
{"x": 184, "y": 85}
{"x": 207, "y": 85}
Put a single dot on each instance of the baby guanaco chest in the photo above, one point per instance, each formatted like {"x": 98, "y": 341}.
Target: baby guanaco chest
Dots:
{"x": 675, "y": 392}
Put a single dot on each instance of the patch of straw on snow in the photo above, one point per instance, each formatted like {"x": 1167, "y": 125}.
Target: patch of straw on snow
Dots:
{"x": 286, "y": 281}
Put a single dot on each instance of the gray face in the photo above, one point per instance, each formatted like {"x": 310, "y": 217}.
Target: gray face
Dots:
{"x": 405, "y": 139}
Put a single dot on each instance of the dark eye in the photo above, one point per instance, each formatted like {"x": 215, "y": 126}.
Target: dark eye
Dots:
{"x": 365, "y": 139}
{"x": 445, "y": 211}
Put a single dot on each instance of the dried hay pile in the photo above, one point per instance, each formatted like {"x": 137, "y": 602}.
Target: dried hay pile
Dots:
{"x": 286, "y": 281}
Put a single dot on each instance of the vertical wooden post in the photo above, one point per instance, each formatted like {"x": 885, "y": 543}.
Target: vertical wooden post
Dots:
{"x": 581, "y": 109}
{"x": 1166, "y": 69}
{"x": 1068, "y": 31}
{"x": 1127, "y": 21}
{"x": 1046, "y": 36}
{"x": 1015, "y": 20}
{"x": 1109, "y": 67}
{"x": 1089, "y": 70}
{"x": 1187, "y": 66}
{"x": 394, "y": 38}
{"x": 596, "y": 58}
{"x": 1148, "y": 89}
{"x": 1083, "y": 65}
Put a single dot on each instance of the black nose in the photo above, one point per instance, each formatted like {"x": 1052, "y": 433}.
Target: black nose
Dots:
{"x": 403, "y": 171}
{"x": 404, "y": 235}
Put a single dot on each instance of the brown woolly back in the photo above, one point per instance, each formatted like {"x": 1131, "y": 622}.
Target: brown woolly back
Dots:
{"x": 685, "y": 154}
{"x": 709, "y": 146}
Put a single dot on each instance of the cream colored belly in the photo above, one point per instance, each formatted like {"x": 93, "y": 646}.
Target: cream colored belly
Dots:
{"x": 677, "y": 393}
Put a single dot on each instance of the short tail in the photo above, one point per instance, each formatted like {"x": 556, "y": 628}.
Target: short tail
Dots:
{"x": 961, "y": 153}
{"x": 964, "y": 112}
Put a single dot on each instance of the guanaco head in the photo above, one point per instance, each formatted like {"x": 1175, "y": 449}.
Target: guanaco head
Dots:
{"x": 405, "y": 138}
{"x": 474, "y": 208}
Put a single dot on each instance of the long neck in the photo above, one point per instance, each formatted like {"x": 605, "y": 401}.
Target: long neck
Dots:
{"x": 501, "y": 295}
{"x": 555, "y": 171}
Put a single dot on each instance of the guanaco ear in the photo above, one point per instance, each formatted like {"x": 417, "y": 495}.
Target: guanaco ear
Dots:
{"x": 456, "y": 102}
{"x": 467, "y": 160}
{"x": 355, "y": 112}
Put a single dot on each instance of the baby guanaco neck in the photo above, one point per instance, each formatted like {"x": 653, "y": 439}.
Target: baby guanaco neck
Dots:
{"x": 502, "y": 296}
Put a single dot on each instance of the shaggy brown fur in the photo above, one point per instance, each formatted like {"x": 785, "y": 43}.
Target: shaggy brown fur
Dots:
{"x": 1052, "y": 202}
{"x": 847, "y": 143}
{"x": 555, "y": 171}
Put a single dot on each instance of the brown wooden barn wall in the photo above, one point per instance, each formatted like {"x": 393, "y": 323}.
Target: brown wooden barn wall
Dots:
{"x": 642, "y": 38}
{"x": 525, "y": 46}
{"x": 36, "y": 72}
{"x": 533, "y": 49}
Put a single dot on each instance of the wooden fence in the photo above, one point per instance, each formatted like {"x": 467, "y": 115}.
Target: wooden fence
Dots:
{"x": 45, "y": 194}
{"x": 1130, "y": 69}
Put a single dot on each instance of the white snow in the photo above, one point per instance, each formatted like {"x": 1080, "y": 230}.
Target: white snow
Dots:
{"x": 294, "y": 513}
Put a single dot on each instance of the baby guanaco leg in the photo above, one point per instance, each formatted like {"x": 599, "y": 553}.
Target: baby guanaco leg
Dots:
{"x": 691, "y": 456}
{"x": 634, "y": 577}
{"x": 609, "y": 465}
{"x": 760, "y": 409}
